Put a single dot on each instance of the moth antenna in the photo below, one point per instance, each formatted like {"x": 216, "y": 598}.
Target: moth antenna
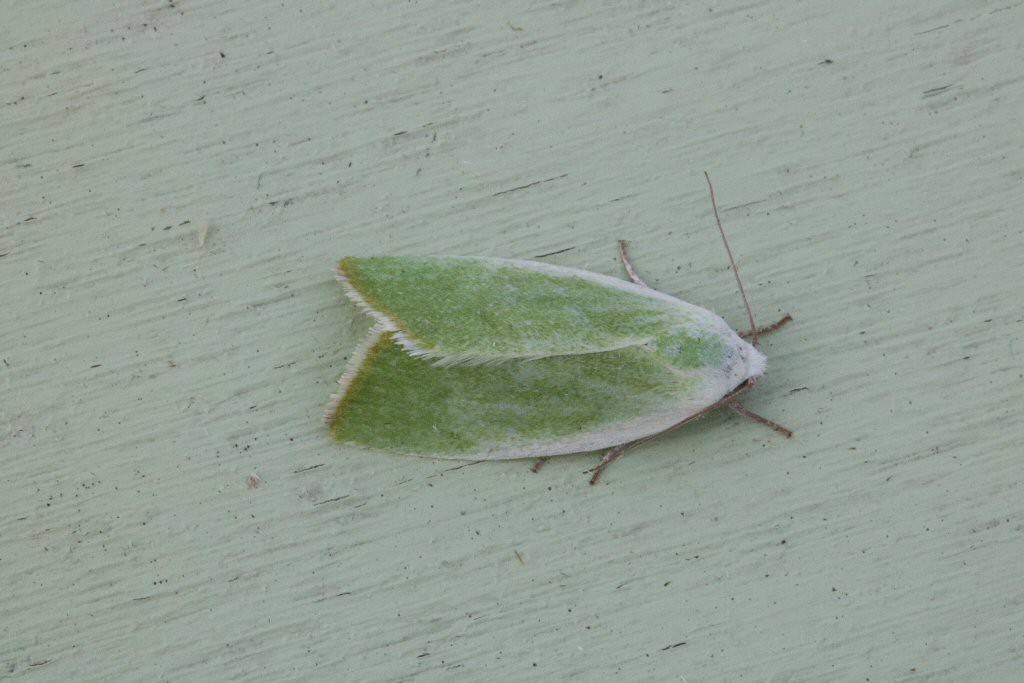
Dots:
{"x": 735, "y": 269}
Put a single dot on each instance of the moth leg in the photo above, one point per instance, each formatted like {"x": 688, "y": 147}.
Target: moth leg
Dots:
{"x": 630, "y": 271}
{"x": 742, "y": 410}
{"x": 537, "y": 465}
{"x": 609, "y": 457}
{"x": 768, "y": 328}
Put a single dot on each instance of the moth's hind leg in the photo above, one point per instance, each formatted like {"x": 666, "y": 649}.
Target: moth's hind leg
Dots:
{"x": 630, "y": 271}
{"x": 610, "y": 457}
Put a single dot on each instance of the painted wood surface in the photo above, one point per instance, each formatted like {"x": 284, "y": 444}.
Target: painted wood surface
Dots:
{"x": 178, "y": 179}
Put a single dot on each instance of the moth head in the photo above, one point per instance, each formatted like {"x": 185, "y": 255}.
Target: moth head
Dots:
{"x": 751, "y": 363}
{"x": 740, "y": 361}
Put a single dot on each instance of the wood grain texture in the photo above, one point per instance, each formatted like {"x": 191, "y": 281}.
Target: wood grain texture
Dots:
{"x": 868, "y": 160}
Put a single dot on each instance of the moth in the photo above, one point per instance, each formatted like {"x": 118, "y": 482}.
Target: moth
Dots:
{"x": 477, "y": 358}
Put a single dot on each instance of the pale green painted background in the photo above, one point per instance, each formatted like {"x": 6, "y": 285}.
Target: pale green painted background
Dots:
{"x": 869, "y": 160}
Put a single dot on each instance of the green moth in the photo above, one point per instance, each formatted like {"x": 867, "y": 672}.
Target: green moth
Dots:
{"x": 486, "y": 358}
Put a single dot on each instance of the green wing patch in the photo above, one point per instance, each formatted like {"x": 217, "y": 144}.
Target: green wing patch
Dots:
{"x": 396, "y": 402}
{"x": 480, "y": 310}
